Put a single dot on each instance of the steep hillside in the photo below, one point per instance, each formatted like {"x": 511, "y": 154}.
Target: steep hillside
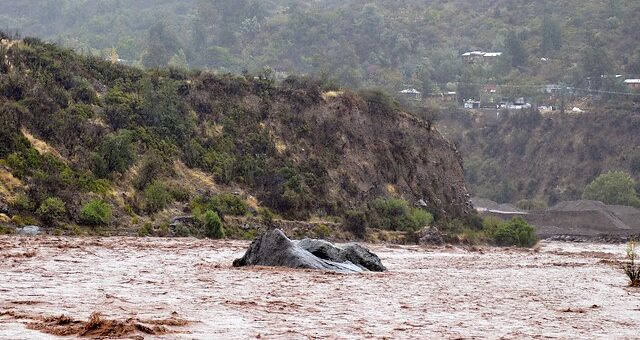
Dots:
{"x": 525, "y": 155}
{"x": 82, "y": 136}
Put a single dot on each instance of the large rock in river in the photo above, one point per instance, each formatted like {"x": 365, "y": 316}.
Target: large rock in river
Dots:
{"x": 273, "y": 248}
{"x": 354, "y": 253}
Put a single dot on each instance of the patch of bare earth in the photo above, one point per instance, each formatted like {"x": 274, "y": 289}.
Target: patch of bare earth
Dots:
{"x": 186, "y": 289}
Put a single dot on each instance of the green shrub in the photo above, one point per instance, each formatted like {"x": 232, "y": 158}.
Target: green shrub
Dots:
{"x": 7, "y": 230}
{"x": 420, "y": 218}
{"x": 22, "y": 202}
{"x": 631, "y": 267}
{"x": 182, "y": 230}
{"x": 146, "y": 230}
{"x": 213, "y": 225}
{"x": 52, "y": 209}
{"x": 322, "y": 231}
{"x": 157, "y": 197}
{"x": 265, "y": 216}
{"x": 95, "y": 212}
{"x": 230, "y": 204}
{"x": 117, "y": 154}
{"x": 153, "y": 166}
{"x": 379, "y": 103}
{"x": 396, "y": 214}
{"x": 614, "y": 187}
{"x": 516, "y": 232}
{"x": 356, "y": 223}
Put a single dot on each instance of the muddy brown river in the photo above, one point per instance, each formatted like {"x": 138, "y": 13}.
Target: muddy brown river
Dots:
{"x": 186, "y": 289}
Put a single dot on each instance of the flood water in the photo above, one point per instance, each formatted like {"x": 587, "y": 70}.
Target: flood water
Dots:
{"x": 562, "y": 290}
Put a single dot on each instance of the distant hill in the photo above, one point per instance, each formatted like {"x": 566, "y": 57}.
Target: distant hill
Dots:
{"x": 381, "y": 43}
{"x": 82, "y": 139}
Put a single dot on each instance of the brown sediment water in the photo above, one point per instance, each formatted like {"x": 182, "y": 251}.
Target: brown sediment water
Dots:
{"x": 185, "y": 289}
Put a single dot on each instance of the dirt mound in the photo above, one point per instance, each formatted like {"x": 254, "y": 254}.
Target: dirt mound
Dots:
{"x": 99, "y": 327}
{"x": 586, "y": 218}
{"x": 582, "y": 205}
{"x": 487, "y": 204}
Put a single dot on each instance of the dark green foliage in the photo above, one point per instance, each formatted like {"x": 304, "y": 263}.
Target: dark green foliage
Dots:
{"x": 153, "y": 166}
{"x": 10, "y": 115}
{"x": 22, "y": 202}
{"x": 96, "y": 212}
{"x": 157, "y": 196}
{"x": 379, "y": 103}
{"x": 223, "y": 204}
{"x": 161, "y": 45}
{"x": 52, "y": 209}
{"x": 230, "y": 204}
{"x": 213, "y": 225}
{"x": 551, "y": 36}
{"x": 356, "y": 222}
{"x": 595, "y": 61}
{"x": 515, "y": 50}
{"x": 635, "y": 162}
{"x": 116, "y": 154}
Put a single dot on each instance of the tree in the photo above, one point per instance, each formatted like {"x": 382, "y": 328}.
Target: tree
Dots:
{"x": 117, "y": 152}
{"x": 95, "y": 212}
{"x": 468, "y": 87}
{"x": 614, "y": 187}
{"x": 162, "y": 44}
{"x": 515, "y": 50}
{"x": 52, "y": 209}
{"x": 595, "y": 61}
{"x": 551, "y": 36}
{"x": 213, "y": 225}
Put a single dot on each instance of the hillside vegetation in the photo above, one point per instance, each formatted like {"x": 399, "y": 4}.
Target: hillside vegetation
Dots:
{"x": 88, "y": 142}
{"x": 550, "y": 157}
{"x": 380, "y": 43}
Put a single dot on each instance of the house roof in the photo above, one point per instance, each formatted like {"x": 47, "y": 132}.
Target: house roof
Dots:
{"x": 410, "y": 91}
{"x": 482, "y": 54}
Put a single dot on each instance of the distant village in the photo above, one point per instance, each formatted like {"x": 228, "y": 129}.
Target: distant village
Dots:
{"x": 493, "y": 96}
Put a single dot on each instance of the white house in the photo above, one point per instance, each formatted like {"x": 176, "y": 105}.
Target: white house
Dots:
{"x": 632, "y": 83}
{"x": 412, "y": 93}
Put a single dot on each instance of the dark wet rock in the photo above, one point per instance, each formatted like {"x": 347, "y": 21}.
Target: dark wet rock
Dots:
{"x": 273, "y": 248}
{"x": 354, "y": 253}
{"x": 4, "y": 208}
{"x": 30, "y": 230}
{"x": 432, "y": 236}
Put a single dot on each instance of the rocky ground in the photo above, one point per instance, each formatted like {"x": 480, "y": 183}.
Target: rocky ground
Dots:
{"x": 187, "y": 288}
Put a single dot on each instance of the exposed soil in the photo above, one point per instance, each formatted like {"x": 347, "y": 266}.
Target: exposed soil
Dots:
{"x": 186, "y": 288}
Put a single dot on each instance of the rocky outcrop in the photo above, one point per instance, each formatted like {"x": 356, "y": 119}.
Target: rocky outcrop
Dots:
{"x": 431, "y": 236}
{"x": 354, "y": 253}
{"x": 273, "y": 248}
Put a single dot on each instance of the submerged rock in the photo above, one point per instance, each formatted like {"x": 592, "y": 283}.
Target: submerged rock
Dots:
{"x": 30, "y": 230}
{"x": 273, "y": 248}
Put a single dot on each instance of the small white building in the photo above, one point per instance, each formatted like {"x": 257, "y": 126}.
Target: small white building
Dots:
{"x": 632, "y": 83}
{"x": 412, "y": 93}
